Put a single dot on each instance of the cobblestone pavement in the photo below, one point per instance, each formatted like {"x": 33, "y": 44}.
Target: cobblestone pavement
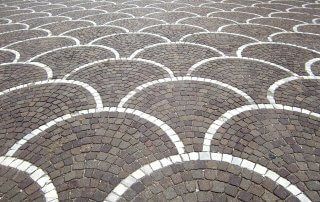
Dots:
{"x": 160, "y": 100}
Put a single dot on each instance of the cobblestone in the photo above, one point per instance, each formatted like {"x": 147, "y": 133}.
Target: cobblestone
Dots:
{"x": 159, "y": 100}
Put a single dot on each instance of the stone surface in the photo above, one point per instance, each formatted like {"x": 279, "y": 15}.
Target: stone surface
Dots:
{"x": 159, "y": 100}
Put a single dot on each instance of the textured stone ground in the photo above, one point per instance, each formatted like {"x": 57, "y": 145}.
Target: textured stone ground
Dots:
{"x": 159, "y": 100}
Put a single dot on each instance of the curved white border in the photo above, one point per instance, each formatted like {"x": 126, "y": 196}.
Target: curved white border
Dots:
{"x": 280, "y": 18}
{"x": 168, "y": 12}
{"x": 172, "y": 3}
{"x": 203, "y": 17}
{"x": 49, "y": 17}
{"x": 22, "y": 14}
{"x": 121, "y": 59}
{"x": 293, "y": 33}
{"x": 158, "y": 25}
{"x": 240, "y": 49}
{"x": 234, "y": 112}
{"x": 37, "y": 64}
{"x": 57, "y": 22}
{"x": 77, "y": 42}
{"x": 272, "y": 89}
{"x": 309, "y": 65}
{"x": 27, "y": 30}
{"x": 96, "y": 26}
{"x": 97, "y": 15}
{"x": 270, "y": 14}
{"x": 227, "y": 33}
{"x": 198, "y": 64}
{"x": 184, "y": 78}
{"x": 123, "y": 19}
{"x": 296, "y": 27}
{"x": 16, "y": 53}
{"x": 130, "y": 33}
{"x": 35, "y": 173}
{"x": 208, "y": 15}
{"x": 148, "y": 169}
{"x": 92, "y": 91}
{"x": 270, "y": 9}
{"x": 133, "y": 55}
{"x": 17, "y": 23}
{"x": 123, "y": 10}
{"x": 116, "y": 54}
{"x": 220, "y": 29}
{"x": 162, "y": 125}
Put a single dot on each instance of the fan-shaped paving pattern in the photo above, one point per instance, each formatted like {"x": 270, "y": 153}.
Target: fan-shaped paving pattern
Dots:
{"x": 88, "y": 34}
{"x": 171, "y": 16}
{"x": 57, "y": 28}
{"x": 225, "y": 42}
{"x": 205, "y": 181}
{"x": 25, "y": 16}
{"x": 18, "y": 186}
{"x": 256, "y": 10}
{"x": 316, "y": 68}
{"x": 237, "y": 16}
{"x": 90, "y": 5}
{"x": 173, "y": 32}
{"x": 277, "y": 6}
{"x": 87, "y": 156}
{"x": 260, "y": 32}
{"x": 187, "y": 106}
{"x": 143, "y": 3}
{"x": 300, "y": 93}
{"x": 223, "y": 6}
{"x": 20, "y": 35}
{"x": 27, "y": 5}
{"x": 310, "y": 28}
{"x": 114, "y": 79}
{"x": 311, "y": 41}
{"x": 139, "y": 12}
{"x": 63, "y": 61}
{"x": 17, "y": 74}
{"x": 242, "y": 2}
{"x": 293, "y": 3}
{"x": 295, "y": 16}
{"x": 27, "y": 109}
{"x": 193, "y": 2}
{"x": 310, "y": 11}
{"x": 58, "y": 11}
{"x": 290, "y": 57}
{"x": 252, "y": 77}
{"x": 127, "y": 43}
{"x": 115, "y": 7}
{"x": 212, "y": 24}
{"x": 130, "y": 53}
{"x": 74, "y": 3}
{"x": 136, "y": 24}
{"x": 33, "y": 47}
{"x": 283, "y": 23}
{"x": 82, "y": 13}
{"x": 283, "y": 141}
{"x": 14, "y": 12}
{"x": 168, "y": 6}
{"x": 47, "y": 7}
{"x": 7, "y": 56}
{"x": 11, "y": 27}
{"x": 101, "y": 19}
{"x": 37, "y": 22}
{"x": 179, "y": 57}
{"x": 202, "y": 11}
